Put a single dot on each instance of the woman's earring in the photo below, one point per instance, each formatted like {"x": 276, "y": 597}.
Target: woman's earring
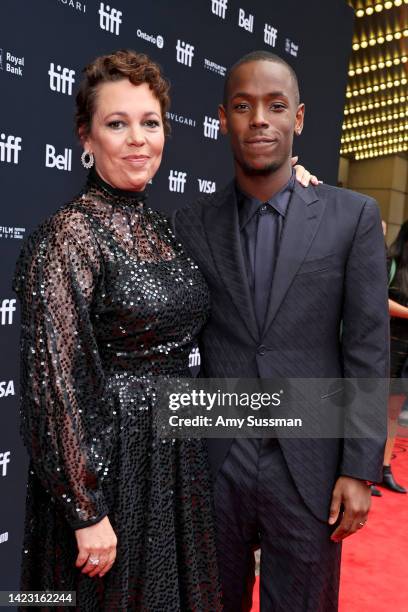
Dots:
{"x": 87, "y": 159}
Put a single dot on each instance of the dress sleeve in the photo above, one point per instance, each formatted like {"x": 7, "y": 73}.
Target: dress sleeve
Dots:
{"x": 61, "y": 373}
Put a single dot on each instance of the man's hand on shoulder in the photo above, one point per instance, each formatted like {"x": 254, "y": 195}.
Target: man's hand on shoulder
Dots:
{"x": 355, "y": 497}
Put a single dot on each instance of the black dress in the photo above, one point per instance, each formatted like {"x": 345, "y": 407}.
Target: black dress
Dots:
{"x": 398, "y": 332}
{"x": 110, "y": 303}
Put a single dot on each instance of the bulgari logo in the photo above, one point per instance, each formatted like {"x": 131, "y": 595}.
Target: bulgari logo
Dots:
{"x": 77, "y": 6}
{"x": 181, "y": 119}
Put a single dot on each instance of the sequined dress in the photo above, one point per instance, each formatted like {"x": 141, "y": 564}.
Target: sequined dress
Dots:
{"x": 109, "y": 303}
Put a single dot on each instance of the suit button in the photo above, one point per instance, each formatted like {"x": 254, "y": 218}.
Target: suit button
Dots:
{"x": 261, "y": 350}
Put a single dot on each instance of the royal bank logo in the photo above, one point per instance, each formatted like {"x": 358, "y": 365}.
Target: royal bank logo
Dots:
{"x": 155, "y": 40}
{"x": 74, "y": 4}
{"x": 10, "y": 147}
{"x": 246, "y": 22}
{"x": 181, "y": 119}
{"x": 109, "y": 18}
{"x": 214, "y": 67}
{"x": 291, "y": 48}
{"x": 6, "y": 388}
{"x": 270, "y": 35}
{"x": 61, "y": 79}
{"x": 194, "y": 358}
{"x": 12, "y": 233}
{"x": 205, "y": 186}
{"x": 7, "y": 310}
{"x": 219, "y": 7}
{"x": 60, "y": 162}
{"x": 4, "y": 461}
{"x": 185, "y": 53}
{"x": 4, "y": 537}
{"x": 13, "y": 64}
{"x": 211, "y": 127}
{"x": 177, "y": 181}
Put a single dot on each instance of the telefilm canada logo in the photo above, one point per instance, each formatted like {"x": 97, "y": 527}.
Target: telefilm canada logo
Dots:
{"x": 4, "y": 461}
{"x": 177, "y": 181}
{"x": 11, "y": 233}
{"x": 74, "y": 4}
{"x": 62, "y": 161}
{"x": 214, "y": 67}
{"x": 184, "y": 53}
{"x": 6, "y": 388}
{"x": 7, "y": 309}
{"x": 10, "y": 147}
{"x": 61, "y": 79}
{"x": 13, "y": 64}
{"x": 109, "y": 18}
{"x": 157, "y": 40}
{"x": 219, "y": 7}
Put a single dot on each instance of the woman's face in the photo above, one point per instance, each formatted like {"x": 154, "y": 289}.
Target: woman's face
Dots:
{"x": 126, "y": 136}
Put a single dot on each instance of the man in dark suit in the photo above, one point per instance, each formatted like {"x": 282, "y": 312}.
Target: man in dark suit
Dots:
{"x": 290, "y": 270}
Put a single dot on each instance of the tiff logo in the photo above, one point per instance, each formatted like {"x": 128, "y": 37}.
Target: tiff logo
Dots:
{"x": 177, "y": 181}
{"x": 194, "y": 358}
{"x": 4, "y": 460}
{"x": 211, "y": 127}
{"x": 245, "y": 22}
{"x": 9, "y": 148}
{"x": 270, "y": 35}
{"x": 61, "y": 81}
{"x": 6, "y": 311}
{"x": 219, "y": 7}
{"x": 61, "y": 162}
{"x": 109, "y": 18}
{"x": 3, "y": 537}
{"x": 185, "y": 53}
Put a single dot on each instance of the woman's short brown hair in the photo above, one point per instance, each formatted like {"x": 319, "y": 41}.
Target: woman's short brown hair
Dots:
{"x": 138, "y": 68}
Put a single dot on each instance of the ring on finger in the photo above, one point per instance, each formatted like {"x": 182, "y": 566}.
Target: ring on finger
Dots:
{"x": 94, "y": 560}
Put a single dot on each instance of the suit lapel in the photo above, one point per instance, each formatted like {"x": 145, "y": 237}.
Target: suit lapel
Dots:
{"x": 303, "y": 218}
{"x": 222, "y": 229}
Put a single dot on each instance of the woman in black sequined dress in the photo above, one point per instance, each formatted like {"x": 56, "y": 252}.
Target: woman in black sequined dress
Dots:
{"x": 109, "y": 302}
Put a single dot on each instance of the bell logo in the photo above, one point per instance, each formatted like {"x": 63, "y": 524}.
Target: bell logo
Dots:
{"x": 6, "y": 312}
{"x": 206, "y": 186}
{"x": 109, "y": 18}
{"x": 185, "y": 53}
{"x": 9, "y": 148}
{"x": 211, "y": 127}
{"x": 177, "y": 181}
{"x": 61, "y": 162}
{"x": 219, "y": 7}
{"x": 61, "y": 79}
{"x": 245, "y": 22}
{"x": 6, "y": 388}
{"x": 4, "y": 460}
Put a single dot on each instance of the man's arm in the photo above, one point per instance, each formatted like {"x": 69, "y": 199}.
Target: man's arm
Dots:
{"x": 365, "y": 347}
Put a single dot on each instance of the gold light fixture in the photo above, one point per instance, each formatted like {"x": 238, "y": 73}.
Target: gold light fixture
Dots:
{"x": 379, "y": 7}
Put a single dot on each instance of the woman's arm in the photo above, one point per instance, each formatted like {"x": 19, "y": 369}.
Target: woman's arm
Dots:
{"x": 397, "y": 310}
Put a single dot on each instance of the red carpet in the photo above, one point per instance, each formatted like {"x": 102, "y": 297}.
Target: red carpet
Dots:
{"x": 374, "y": 574}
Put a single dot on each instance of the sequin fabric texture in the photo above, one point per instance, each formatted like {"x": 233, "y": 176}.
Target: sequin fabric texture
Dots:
{"x": 111, "y": 305}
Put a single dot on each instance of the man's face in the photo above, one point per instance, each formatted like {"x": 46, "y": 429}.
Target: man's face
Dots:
{"x": 261, "y": 116}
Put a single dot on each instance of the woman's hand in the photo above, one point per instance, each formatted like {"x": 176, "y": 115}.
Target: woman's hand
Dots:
{"x": 96, "y": 543}
{"x": 303, "y": 176}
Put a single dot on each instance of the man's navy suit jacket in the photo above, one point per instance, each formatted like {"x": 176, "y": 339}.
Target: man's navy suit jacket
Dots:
{"x": 330, "y": 275}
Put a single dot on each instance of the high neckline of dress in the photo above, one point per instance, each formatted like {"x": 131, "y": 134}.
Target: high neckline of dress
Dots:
{"x": 119, "y": 196}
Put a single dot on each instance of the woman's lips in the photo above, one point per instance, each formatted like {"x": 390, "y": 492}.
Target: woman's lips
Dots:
{"x": 137, "y": 160}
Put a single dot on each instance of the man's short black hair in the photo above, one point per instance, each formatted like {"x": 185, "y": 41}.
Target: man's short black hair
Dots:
{"x": 256, "y": 56}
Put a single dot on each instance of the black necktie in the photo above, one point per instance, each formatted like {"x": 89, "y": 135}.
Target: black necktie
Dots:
{"x": 265, "y": 258}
